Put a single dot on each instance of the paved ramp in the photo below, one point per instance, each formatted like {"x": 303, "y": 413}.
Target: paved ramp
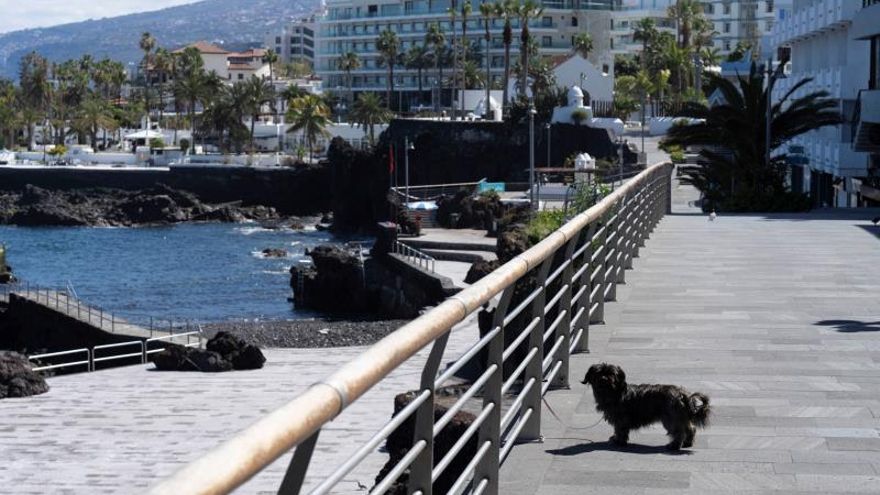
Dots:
{"x": 777, "y": 319}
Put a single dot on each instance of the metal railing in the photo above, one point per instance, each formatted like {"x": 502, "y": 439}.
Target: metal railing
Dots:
{"x": 193, "y": 339}
{"x": 433, "y": 191}
{"x": 544, "y": 303}
{"x": 65, "y": 301}
{"x": 414, "y": 256}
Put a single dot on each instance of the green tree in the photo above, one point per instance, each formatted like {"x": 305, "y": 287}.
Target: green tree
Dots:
{"x": 465, "y": 12}
{"x": 437, "y": 41}
{"x": 685, "y": 13}
{"x": 192, "y": 85}
{"x": 418, "y": 57}
{"x": 734, "y": 173}
{"x": 310, "y": 115}
{"x": 271, "y": 58}
{"x": 35, "y": 95}
{"x": 147, "y": 43}
{"x": 487, "y": 10}
{"x": 388, "y": 45}
{"x": 349, "y": 62}
{"x": 526, "y": 11}
{"x": 582, "y": 44}
{"x": 368, "y": 113}
{"x": 259, "y": 93}
{"x": 93, "y": 115}
{"x": 506, "y": 10}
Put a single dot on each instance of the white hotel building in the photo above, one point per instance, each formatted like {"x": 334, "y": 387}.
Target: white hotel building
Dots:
{"x": 837, "y": 43}
{"x": 354, "y": 25}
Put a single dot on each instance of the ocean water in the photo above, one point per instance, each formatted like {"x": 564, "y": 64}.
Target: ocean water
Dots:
{"x": 203, "y": 272}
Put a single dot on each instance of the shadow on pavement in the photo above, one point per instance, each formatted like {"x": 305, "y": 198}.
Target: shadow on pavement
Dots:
{"x": 851, "y": 326}
{"x": 630, "y": 448}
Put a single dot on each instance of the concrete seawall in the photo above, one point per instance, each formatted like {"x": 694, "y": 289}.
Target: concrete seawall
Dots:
{"x": 290, "y": 190}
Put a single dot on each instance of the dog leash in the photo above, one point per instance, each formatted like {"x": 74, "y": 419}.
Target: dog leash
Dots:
{"x": 563, "y": 423}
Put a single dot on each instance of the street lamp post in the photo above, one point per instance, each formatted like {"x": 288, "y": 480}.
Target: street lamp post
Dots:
{"x": 769, "y": 110}
{"x": 643, "y": 127}
{"x": 407, "y": 147}
{"x": 532, "y": 198}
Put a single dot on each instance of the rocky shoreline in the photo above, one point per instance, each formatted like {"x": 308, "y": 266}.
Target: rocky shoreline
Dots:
{"x": 158, "y": 205}
{"x": 307, "y": 333}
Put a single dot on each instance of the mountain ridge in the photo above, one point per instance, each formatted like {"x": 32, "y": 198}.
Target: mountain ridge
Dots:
{"x": 234, "y": 24}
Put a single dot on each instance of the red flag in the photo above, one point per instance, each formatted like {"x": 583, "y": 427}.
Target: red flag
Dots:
{"x": 390, "y": 158}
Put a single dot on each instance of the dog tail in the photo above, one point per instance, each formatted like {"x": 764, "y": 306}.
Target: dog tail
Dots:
{"x": 700, "y": 409}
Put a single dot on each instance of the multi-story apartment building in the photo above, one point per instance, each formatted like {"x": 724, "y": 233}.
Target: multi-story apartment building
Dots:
{"x": 741, "y": 21}
{"x": 628, "y": 14}
{"x": 836, "y": 43}
{"x": 296, "y": 41}
{"x": 354, "y": 25}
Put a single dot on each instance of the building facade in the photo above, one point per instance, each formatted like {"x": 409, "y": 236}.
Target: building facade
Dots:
{"x": 835, "y": 42}
{"x": 741, "y": 21}
{"x": 296, "y": 41}
{"x": 354, "y": 25}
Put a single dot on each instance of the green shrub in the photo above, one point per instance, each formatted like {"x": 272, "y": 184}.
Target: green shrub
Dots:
{"x": 543, "y": 224}
{"x": 58, "y": 150}
{"x": 184, "y": 144}
{"x": 156, "y": 143}
{"x": 579, "y": 115}
{"x": 677, "y": 156}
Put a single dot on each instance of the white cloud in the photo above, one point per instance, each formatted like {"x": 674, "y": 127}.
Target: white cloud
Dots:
{"x": 22, "y": 14}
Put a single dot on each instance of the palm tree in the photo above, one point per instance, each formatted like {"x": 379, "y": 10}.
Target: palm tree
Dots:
{"x": 36, "y": 92}
{"x": 735, "y": 173}
{"x": 465, "y": 12}
{"x": 192, "y": 84}
{"x": 418, "y": 57}
{"x": 94, "y": 114}
{"x": 349, "y": 62}
{"x": 527, "y": 11}
{"x": 453, "y": 13}
{"x": 147, "y": 44}
{"x": 271, "y": 58}
{"x": 506, "y": 9}
{"x": 487, "y": 10}
{"x": 310, "y": 115}
{"x": 679, "y": 60}
{"x": 368, "y": 113}
{"x": 388, "y": 45}
{"x": 685, "y": 12}
{"x": 646, "y": 31}
{"x": 437, "y": 40}
{"x": 471, "y": 77}
{"x": 289, "y": 93}
{"x": 259, "y": 92}
{"x": 582, "y": 44}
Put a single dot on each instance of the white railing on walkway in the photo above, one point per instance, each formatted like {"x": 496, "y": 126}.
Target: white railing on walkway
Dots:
{"x": 544, "y": 300}
{"x": 91, "y": 359}
{"x": 414, "y": 256}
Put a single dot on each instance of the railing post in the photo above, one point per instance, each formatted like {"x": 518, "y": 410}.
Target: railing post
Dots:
{"x": 668, "y": 188}
{"x": 564, "y": 304}
{"x": 299, "y": 464}
{"x": 612, "y": 249}
{"x": 600, "y": 264}
{"x": 420, "y": 469}
{"x": 586, "y": 282}
{"x": 490, "y": 430}
{"x": 622, "y": 234}
{"x": 535, "y": 369}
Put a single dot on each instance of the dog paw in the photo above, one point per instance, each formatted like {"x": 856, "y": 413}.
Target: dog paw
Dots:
{"x": 617, "y": 441}
{"x": 674, "y": 446}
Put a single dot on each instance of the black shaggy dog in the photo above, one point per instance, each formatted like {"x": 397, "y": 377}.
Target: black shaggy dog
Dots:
{"x": 630, "y": 407}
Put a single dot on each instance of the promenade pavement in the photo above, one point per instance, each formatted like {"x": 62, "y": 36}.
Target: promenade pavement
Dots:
{"x": 776, "y": 318}
{"x": 121, "y": 430}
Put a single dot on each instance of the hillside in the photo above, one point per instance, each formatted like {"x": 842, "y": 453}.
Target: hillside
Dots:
{"x": 232, "y": 23}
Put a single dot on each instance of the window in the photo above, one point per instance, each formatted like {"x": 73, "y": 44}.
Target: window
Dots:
{"x": 726, "y": 9}
{"x": 727, "y": 45}
{"x": 574, "y": 21}
{"x": 278, "y": 40}
{"x": 547, "y": 21}
{"x": 240, "y": 76}
{"x": 726, "y": 27}
{"x": 546, "y": 41}
{"x": 874, "y": 79}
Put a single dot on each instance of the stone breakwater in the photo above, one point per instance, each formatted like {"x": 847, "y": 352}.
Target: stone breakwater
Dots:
{"x": 35, "y": 206}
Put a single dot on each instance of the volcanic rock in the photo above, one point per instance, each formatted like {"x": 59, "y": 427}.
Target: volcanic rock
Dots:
{"x": 274, "y": 253}
{"x": 17, "y": 379}
{"x": 224, "y": 352}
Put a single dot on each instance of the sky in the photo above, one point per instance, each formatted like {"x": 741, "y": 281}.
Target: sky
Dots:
{"x": 22, "y": 14}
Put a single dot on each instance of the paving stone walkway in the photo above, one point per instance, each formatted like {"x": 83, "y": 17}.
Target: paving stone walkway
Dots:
{"x": 777, "y": 319}
{"x": 121, "y": 430}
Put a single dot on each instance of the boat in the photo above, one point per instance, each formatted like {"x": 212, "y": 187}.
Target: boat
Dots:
{"x": 6, "y": 157}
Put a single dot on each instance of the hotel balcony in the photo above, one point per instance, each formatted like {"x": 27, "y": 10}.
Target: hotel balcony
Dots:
{"x": 866, "y": 122}
{"x": 825, "y": 15}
